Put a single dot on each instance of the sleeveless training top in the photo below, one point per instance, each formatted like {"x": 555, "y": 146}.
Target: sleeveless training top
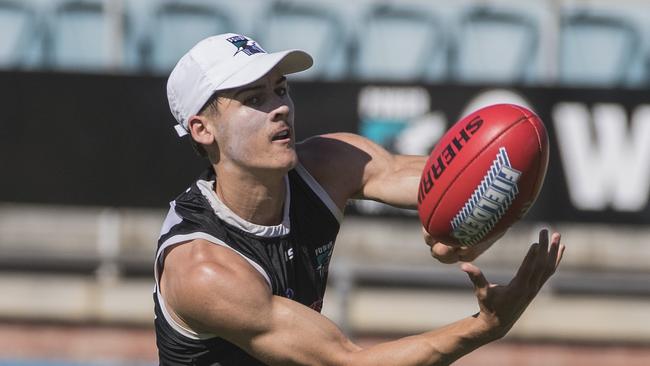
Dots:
{"x": 292, "y": 257}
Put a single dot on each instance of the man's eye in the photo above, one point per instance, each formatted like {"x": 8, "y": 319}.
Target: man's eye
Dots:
{"x": 281, "y": 91}
{"x": 254, "y": 100}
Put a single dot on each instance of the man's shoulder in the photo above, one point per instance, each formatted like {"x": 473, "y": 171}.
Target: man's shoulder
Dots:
{"x": 336, "y": 162}
{"x": 194, "y": 192}
{"x": 329, "y": 141}
{"x": 191, "y": 212}
{"x": 206, "y": 273}
{"x": 321, "y": 154}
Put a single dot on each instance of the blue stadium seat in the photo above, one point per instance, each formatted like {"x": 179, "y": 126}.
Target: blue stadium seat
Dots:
{"x": 399, "y": 43}
{"x": 496, "y": 45}
{"x": 82, "y": 36}
{"x": 19, "y": 33}
{"x": 175, "y": 27}
{"x": 645, "y": 78}
{"x": 310, "y": 27}
{"x": 597, "y": 49}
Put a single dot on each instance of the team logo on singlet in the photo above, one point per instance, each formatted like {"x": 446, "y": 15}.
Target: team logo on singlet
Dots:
{"x": 245, "y": 45}
{"x": 288, "y": 255}
{"x": 323, "y": 255}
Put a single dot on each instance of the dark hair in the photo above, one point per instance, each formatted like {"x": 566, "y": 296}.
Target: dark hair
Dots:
{"x": 209, "y": 108}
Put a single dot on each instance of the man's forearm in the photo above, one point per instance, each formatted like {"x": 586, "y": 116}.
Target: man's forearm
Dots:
{"x": 438, "y": 347}
{"x": 399, "y": 184}
{"x": 458, "y": 339}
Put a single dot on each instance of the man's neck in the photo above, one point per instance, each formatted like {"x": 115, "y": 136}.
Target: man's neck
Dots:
{"x": 254, "y": 198}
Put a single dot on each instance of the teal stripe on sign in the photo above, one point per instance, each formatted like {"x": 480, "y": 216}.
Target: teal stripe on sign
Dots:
{"x": 381, "y": 131}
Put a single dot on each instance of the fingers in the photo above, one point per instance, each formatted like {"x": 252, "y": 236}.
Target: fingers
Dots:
{"x": 526, "y": 268}
{"x": 543, "y": 241}
{"x": 541, "y": 261}
{"x": 440, "y": 251}
{"x": 552, "y": 259}
{"x": 444, "y": 253}
{"x": 555, "y": 254}
{"x": 561, "y": 253}
{"x": 475, "y": 275}
{"x": 538, "y": 277}
{"x": 428, "y": 239}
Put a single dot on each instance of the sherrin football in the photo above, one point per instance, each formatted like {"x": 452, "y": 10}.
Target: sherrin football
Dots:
{"x": 483, "y": 175}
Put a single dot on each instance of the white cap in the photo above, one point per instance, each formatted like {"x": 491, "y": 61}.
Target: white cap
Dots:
{"x": 223, "y": 62}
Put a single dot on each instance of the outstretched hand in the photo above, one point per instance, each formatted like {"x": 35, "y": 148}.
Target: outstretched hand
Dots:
{"x": 501, "y": 306}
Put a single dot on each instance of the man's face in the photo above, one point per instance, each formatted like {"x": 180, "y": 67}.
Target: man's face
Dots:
{"x": 254, "y": 127}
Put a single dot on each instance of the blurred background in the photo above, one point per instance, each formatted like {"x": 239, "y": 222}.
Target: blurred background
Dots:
{"x": 89, "y": 161}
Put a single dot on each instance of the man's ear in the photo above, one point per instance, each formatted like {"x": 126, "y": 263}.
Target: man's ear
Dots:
{"x": 200, "y": 131}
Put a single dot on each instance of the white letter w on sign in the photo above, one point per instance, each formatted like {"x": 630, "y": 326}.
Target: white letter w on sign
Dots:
{"x": 605, "y": 163}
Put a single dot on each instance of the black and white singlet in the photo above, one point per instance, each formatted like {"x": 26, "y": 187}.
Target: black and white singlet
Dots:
{"x": 292, "y": 257}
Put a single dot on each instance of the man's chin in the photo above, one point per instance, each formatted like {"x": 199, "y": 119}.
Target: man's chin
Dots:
{"x": 285, "y": 163}
{"x": 286, "y": 160}
{"x": 294, "y": 163}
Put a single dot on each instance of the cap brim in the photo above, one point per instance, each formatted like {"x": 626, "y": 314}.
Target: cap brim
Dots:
{"x": 286, "y": 62}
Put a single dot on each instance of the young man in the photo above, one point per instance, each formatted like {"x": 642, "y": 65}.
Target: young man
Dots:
{"x": 242, "y": 259}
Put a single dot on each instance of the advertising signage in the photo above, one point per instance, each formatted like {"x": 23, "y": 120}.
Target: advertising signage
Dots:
{"x": 109, "y": 140}
{"x": 599, "y": 168}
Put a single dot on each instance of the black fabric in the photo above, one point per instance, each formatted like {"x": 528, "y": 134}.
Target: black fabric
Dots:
{"x": 313, "y": 230}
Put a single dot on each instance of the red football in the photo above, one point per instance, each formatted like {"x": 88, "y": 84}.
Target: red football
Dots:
{"x": 483, "y": 175}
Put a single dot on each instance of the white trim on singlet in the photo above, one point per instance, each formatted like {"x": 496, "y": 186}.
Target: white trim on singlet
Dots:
{"x": 320, "y": 192}
{"x": 177, "y": 327}
{"x": 184, "y": 238}
{"x": 201, "y": 235}
{"x": 171, "y": 219}
{"x": 224, "y": 213}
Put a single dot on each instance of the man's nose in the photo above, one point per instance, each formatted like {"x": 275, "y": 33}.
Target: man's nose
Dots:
{"x": 280, "y": 113}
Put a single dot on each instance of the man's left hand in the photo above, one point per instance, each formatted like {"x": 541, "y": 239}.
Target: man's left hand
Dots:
{"x": 451, "y": 252}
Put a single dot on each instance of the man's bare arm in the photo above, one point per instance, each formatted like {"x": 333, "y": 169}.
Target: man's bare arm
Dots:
{"x": 213, "y": 289}
{"x": 351, "y": 166}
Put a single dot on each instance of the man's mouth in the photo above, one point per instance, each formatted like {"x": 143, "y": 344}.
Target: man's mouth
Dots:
{"x": 282, "y": 135}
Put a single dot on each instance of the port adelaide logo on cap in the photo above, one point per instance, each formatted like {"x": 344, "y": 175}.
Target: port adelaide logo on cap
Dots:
{"x": 489, "y": 202}
{"x": 245, "y": 45}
